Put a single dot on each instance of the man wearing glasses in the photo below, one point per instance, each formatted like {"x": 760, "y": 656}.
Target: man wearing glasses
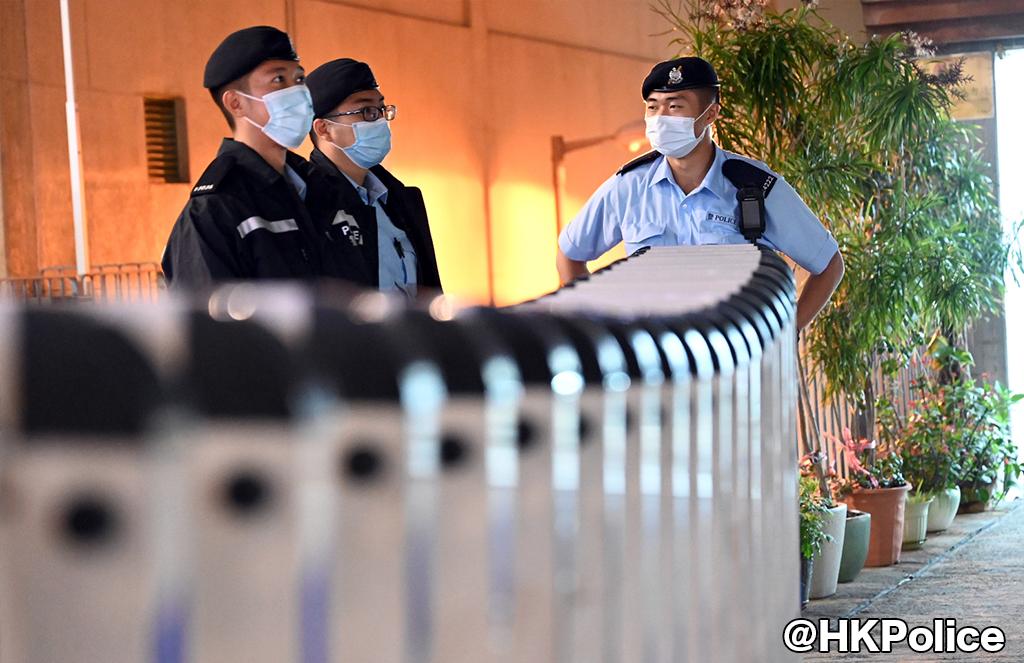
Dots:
{"x": 370, "y": 209}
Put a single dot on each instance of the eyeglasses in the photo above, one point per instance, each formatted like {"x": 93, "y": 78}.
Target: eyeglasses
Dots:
{"x": 370, "y": 113}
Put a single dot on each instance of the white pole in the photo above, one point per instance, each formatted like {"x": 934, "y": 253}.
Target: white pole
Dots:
{"x": 74, "y": 148}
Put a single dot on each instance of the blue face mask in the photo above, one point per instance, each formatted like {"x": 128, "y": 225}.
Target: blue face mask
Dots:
{"x": 373, "y": 142}
{"x": 291, "y": 115}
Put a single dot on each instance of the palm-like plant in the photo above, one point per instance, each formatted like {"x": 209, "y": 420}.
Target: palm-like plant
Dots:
{"x": 865, "y": 135}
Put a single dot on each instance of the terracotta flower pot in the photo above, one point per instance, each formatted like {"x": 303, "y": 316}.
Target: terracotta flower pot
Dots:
{"x": 855, "y": 545}
{"x": 943, "y": 509}
{"x": 886, "y": 506}
{"x": 826, "y": 562}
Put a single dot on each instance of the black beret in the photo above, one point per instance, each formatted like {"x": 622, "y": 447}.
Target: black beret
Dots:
{"x": 680, "y": 74}
{"x": 243, "y": 51}
{"x": 332, "y": 83}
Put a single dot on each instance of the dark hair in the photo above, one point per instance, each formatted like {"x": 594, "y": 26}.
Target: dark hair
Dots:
{"x": 241, "y": 84}
{"x": 709, "y": 95}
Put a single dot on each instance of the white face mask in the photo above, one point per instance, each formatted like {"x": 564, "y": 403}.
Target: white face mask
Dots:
{"x": 674, "y": 136}
{"x": 291, "y": 115}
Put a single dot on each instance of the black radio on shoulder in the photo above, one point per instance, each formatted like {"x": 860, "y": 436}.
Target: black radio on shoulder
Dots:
{"x": 753, "y": 185}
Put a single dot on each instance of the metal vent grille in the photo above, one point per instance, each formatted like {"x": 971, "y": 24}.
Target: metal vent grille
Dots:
{"x": 166, "y": 140}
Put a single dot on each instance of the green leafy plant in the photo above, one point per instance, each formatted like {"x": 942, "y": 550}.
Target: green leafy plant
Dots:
{"x": 813, "y": 509}
{"x": 957, "y": 429}
{"x": 863, "y": 131}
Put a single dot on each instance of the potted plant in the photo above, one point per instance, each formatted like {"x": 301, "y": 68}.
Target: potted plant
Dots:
{"x": 813, "y": 512}
{"x": 875, "y": 484}
{"x": 956, "y": 434}
{"x": 827, "y": 558}
{"x": 926, "y": 444}
{"x": 931, "y": 442}
{"x": 989, "y": 460}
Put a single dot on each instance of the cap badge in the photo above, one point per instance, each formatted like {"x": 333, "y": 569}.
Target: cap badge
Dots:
{"x": 675, "y": 76}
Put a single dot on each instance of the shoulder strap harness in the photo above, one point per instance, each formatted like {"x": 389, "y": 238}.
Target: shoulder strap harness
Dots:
{"x": 753, "y": 185}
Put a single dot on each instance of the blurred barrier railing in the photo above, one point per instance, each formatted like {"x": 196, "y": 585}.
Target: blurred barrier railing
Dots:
{"x": 266, "y": 475}
{"x": 126, "y": 282}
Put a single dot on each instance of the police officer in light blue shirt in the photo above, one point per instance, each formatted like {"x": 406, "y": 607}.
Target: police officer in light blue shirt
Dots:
{"x": 679, "y": 193}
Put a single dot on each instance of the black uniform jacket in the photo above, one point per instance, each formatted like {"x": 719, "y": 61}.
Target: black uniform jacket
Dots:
{"x": 244, "y": 220}
{"x": 404, "y": 206}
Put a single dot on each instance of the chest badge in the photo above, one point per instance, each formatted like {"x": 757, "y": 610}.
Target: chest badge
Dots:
{"x": 349, "y": 227}
{"x": 675, "y": 76}
{"x": 721, "y": 218}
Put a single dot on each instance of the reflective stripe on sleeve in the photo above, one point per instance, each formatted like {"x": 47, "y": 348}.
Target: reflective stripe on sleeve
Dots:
{"x": 258, "y": 222}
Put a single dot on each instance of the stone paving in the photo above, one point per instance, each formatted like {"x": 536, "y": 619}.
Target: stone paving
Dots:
{"x": 973, "y": 572}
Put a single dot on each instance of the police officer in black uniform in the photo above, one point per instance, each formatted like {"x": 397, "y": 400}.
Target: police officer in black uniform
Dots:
{"x": 372, "y": 208}
{"x": 247, "y": 217}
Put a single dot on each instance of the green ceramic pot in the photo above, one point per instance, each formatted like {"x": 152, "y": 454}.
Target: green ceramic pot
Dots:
{"x": 855, "y": 545}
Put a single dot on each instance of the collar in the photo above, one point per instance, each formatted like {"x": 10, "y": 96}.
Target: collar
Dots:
{"x": 258, "y": 169}
{"x": 371, "y": 190}
{"x": 713, "y": 180}
{"x": 373, "y": 178}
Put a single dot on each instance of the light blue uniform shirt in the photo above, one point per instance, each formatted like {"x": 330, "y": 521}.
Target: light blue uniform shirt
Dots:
{"x": 645, "y": 207}
{"x": 396, "y": 266}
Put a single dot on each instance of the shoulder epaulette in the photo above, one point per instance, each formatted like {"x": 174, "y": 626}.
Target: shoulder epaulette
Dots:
{"x": 213, "y": 176}
{"x": 744, "y": 175}
{"x": 639, "y": 161}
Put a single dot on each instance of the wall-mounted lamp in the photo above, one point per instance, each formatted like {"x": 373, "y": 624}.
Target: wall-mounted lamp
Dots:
{"x": 630, "y": 136}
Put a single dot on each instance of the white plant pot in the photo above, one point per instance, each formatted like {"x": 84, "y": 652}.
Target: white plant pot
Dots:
{"x": 915, "y": 522}
{"x": 825, "y": 570}
{"x": 943, "y": 509}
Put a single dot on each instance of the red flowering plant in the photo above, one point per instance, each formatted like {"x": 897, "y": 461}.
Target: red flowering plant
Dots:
{"x": 868, "y": 465}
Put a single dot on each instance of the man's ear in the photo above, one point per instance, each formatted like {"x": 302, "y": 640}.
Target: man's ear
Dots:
{"x": 232, "y": 101}
{"x": 713, "y": 113}
{"x": 320, "y": 129}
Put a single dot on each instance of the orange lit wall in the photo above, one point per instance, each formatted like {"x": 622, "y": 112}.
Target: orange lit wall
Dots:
{"x": 482, "y": 85}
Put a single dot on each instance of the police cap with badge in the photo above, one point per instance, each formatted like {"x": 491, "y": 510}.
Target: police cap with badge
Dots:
{"x": 752, "y": 183}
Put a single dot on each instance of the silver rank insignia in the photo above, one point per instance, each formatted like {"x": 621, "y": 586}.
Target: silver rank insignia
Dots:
{"x": 675, "y": 76}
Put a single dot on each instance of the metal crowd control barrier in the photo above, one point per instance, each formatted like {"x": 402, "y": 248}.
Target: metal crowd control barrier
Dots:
{"x": 85, "y": 506}
{"x": 607, "y": 473}
{"x": 727, "y": 514}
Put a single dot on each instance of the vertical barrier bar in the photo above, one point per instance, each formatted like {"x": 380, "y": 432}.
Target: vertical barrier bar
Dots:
{"x": 80, "y": 493}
